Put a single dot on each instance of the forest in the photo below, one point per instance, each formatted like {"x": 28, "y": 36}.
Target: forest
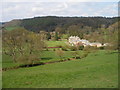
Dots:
{"x": 49, "y": 23}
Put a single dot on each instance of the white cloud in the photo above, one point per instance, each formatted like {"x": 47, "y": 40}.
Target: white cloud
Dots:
{"x": 35, "y": 9}
{"x": 110, "y": 10}
{"x": 17, "y": 10}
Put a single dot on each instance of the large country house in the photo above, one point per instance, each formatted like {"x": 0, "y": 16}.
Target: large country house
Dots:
{"x": 75, "y": 40}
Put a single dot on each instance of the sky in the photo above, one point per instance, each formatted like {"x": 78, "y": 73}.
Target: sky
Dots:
{"x": 19, "y": 9}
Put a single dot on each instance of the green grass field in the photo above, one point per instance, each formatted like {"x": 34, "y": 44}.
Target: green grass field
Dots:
{"x": 56, "y": 43}
{"x": 95, "y": 71}
{"x": 12, "y": 28}
{"x": 46, "y": 56}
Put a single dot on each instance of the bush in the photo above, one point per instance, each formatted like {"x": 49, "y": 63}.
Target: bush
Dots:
{"x": 85, "y": 55}
{"x": 60, "y": 53}
{"x": 87, "y": 48}
{"x": 73, "y": 48}
{"x": 90, "y": 49}
{"x": 102, "y": 48}
{"x": 64, "y": 49}
{"x": 76, "y": 54}
{"x": 81, "y": 47}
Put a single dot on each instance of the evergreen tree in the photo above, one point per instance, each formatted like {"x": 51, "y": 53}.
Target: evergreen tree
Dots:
{"x": 56, "y": 36}
{"x": 48, "y": 36}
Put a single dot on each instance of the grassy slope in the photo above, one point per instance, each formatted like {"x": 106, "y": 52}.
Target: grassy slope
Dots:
{"x": 56, "y": 43}
{"x": 47, "y": 56}
{"x": 100, "y": 71}
{"x": 7, "y": 61}
{"x": 12, "y": 28}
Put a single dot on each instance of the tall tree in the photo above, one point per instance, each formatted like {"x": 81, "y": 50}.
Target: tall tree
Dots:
{"x": 56, "y": 36}
{"x": 48, "y": 36}
{"x": 22, "y": 46}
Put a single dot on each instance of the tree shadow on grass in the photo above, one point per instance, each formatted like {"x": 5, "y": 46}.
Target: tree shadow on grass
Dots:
{"x": 48, "y": 58}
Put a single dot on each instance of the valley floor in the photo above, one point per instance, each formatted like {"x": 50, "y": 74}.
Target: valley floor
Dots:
{"x": 98, "y": 70}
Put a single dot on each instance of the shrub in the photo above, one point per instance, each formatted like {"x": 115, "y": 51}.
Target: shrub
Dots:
{"x": 92, "y": 49}
{"x": 60, "y": 53}
{"x": 64, "y": 48}
{"x": 73, "y": 48}
{"x": 81, "y": 47}
{"x": 87, "y": 48}
{"x": 76, "y": 54}
{"x": 102, "y": 48}
{"x": 85, "y": 55}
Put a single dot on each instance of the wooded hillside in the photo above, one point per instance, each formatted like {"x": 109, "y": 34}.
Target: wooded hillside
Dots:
{"x": 50, "y": 23}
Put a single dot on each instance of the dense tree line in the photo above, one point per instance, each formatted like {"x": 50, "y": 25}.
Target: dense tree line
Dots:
{"x": 50, "y": 23}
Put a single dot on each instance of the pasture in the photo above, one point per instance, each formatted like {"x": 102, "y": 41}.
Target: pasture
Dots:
{"x": 46, "y": 56}
{"x": 12, "y": 28}
{"x": 56, "y": 43}
{"x": 98, "y": 70}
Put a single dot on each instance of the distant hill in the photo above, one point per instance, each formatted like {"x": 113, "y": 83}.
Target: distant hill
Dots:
{"x": 13, "y": 23}
{"x": 49, "y": 23}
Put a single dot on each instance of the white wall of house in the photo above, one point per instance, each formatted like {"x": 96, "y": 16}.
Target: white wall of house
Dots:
{"x": 74, "y": 40}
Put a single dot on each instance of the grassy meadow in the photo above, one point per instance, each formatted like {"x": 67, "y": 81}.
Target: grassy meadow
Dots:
{"x": 56, "y": 43}
{"x": 97, "y": 70}
{"x": 12, "y": 28}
